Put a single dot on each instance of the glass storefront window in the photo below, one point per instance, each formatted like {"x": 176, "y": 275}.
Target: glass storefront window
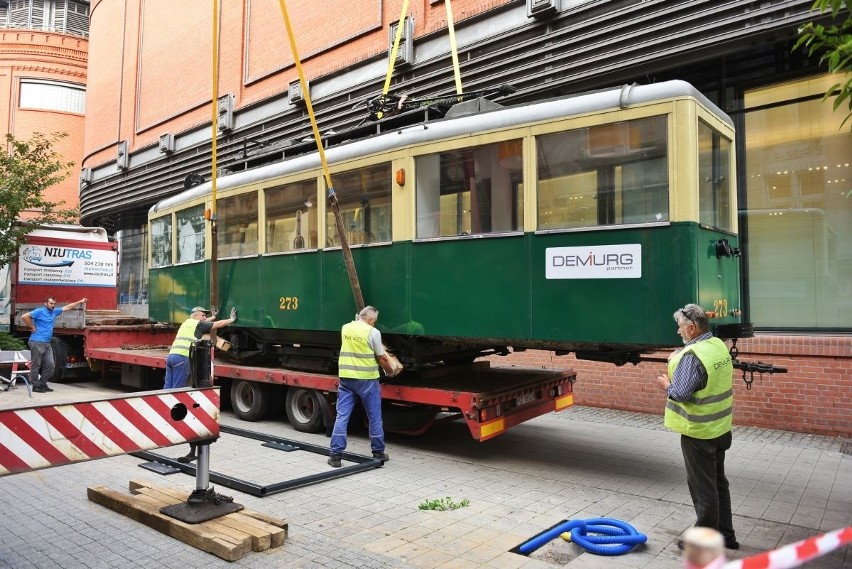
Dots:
{"x": 798, "y": 220}
{"x": 238, "y": 226}
{"x": 190, "y": 234}
{"x": 291, "y": 217}
{"x": 470, "y": 191}
{"x": 132, "y": 270}
{"x": 364, "y": 197}
{"x": 611, "y": 174}
{"x": 714, "y": 184}
{"x": 161, "y": 241}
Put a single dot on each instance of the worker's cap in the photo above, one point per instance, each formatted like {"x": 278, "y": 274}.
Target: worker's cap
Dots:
{"x": 199, "y": 309}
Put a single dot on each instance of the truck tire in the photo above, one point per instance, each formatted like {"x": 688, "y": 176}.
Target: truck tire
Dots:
{"x": 60, "y": 353}
{"x": 304, "y": 409}
{"x": 250, "y": 400}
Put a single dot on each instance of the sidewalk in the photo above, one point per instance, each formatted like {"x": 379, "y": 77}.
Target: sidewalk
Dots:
{"x": 580, "y": 463}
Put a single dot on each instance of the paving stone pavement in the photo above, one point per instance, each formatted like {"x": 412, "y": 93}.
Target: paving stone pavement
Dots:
{"x": 580, "y": 463}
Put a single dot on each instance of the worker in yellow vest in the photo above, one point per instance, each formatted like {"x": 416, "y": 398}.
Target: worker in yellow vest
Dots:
{"x": 193, "y": 328}
{"x": 699, "y": 385}
{"x": 361, "y": 354}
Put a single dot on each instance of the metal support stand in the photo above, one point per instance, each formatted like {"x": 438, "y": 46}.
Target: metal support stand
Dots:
{"x": 204, "y": 503}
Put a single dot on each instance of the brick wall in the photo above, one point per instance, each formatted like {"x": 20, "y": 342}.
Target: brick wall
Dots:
{"x": 814, "y": 396}
{"x": 152, "y": 75}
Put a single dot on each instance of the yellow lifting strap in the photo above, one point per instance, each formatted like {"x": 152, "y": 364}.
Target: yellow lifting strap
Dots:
{"x": 214, "y": 127}
{"x": 395, "y": 49}
{"x": 332, "y": 197}
{"x": 453, "y": 48}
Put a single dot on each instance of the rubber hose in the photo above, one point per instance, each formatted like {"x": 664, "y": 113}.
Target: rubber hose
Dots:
{"x": 623, "y": 535}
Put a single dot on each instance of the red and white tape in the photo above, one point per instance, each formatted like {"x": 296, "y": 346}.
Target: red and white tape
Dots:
{"x": 52, "y": 435}
{"x": 797, "y": 553}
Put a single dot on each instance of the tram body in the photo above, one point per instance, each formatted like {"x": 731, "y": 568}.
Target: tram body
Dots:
{"x": 577, "y": 224}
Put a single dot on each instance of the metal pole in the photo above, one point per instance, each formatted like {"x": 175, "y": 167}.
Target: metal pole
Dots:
{"x": 202, "y": 471}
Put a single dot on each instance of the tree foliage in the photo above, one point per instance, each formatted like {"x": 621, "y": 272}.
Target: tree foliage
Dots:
{"x": 834, "y": 42}
{"x": 27, "y": 169}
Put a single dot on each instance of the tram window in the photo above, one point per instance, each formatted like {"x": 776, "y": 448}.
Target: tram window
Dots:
{"x": 714, "y": 185}
{"x": 364, "y": 198}
{"x": 610, "y": 174}
{"x": 468, "y": 191}
{"x": 291, "y": 217}
{"x": 238, "y": 225}
{"x": 161, "y": 241}
{"x": 190, "y": 234}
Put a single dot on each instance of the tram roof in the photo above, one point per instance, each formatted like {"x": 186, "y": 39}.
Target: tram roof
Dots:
{"x": 578, "y": 104}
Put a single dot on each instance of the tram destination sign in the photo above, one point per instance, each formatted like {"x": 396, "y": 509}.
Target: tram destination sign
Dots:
{"x": 595, "y": 262}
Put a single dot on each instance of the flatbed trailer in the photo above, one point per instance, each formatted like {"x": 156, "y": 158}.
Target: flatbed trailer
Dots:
{"x": 489, "y": 399}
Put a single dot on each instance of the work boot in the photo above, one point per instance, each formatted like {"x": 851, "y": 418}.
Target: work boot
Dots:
{"x": 383, "y": 456}
{"x": 334, "y": 460}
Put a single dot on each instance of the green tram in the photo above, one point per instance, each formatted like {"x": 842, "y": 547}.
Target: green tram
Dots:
{"x": 578, "y": 224}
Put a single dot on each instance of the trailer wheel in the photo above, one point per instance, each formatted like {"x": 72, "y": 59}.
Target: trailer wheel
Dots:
{"x": 60, "y": 354}
{"x": 250, "y": 400}
{"x": 304, "y": 410}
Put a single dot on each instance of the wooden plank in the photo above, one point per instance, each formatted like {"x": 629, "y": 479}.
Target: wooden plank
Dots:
{"x": 195, "y": 535}
{"x": 264, "y": 535}
{"x": 232, "y": 530}
{"x": 260, "y": 516}
{"x": 263, "y": 528}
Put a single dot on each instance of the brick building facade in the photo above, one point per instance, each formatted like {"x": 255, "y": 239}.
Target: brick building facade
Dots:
{"x": 42, "y": 89}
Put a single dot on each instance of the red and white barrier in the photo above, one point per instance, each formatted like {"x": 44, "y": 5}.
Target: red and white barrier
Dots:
{"x": 797, "y": 553}
{"x": 52, "y": 435}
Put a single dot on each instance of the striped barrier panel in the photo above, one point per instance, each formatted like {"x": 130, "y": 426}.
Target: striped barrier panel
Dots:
{"x": 43, "y": 436}
{"x": 795, "y": 554}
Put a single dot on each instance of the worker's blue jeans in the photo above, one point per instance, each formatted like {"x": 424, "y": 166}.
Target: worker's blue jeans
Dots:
{"x": 370, "y": 393}
{"x": 177, "y": 371}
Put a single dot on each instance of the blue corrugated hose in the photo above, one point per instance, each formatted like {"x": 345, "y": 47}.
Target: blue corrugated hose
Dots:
{"x": 618, "y": 537}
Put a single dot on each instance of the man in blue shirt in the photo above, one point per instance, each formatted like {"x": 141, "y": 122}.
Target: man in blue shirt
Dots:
{"x": 40, "y": 322}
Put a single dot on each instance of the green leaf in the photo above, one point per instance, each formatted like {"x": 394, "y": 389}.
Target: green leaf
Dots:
{"x": 27, "y": 169}
{"x": 443, "y": 504}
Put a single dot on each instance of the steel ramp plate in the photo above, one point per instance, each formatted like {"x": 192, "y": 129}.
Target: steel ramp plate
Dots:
{"x": 280, "y": 446}
{"x": 159, "y": 468}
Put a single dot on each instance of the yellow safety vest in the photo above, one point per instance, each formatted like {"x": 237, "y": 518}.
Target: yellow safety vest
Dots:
{"x": 185, "y": 337}
{"x": 709, "y": 412}
{"x": 357, "y": 360}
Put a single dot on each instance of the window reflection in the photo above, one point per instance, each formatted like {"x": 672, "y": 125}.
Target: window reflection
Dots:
{"x": 364, "y": 198}
{"x": 161, "y": 241}
{"x": 238, "y": 226}
{"x": 603, "y": 175}
{"x": 190, "y": 234}
{"x": 471, "y": 191}
{"x": 291, "y": 217}
{"x": 714, "y": 184}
